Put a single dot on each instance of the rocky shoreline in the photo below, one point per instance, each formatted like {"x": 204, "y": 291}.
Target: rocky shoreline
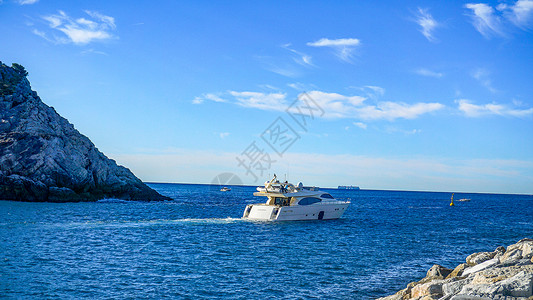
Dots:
{"x": 505, "y": 273}
{"x": 44, "y": 158}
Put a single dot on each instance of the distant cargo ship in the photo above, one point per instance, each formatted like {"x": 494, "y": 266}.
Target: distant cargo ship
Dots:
{"x": 348, "y": 187}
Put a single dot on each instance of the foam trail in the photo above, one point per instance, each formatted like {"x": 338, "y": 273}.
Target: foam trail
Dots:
{"x": 145, "y": 223}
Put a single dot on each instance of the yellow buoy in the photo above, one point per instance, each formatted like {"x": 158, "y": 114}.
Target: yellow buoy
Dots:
{"x": 451, "y": 203}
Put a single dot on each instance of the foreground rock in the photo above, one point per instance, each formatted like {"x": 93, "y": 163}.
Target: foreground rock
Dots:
{"x": 44, "y": 158}
{"x": 505, "y": 274}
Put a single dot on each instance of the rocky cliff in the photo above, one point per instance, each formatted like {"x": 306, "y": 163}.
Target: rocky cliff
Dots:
{"x": 44, "y": 158}
{"x": 505, "y": 273}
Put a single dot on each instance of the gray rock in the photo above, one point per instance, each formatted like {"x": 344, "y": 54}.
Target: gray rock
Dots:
{"x": 458, "y": 271}
{"x": 432, "y": 288}
{"x": 438, "y": 271}
{"x": 512, "y": 280}
{"x": 482, "y": 266}
{"x": 477, "y": 258}
{"x": 469, "y": 297}
{"x": 44, "y": 158}
{"x": 520, "y": 285}
{"x": 454, "y": 287}
{"x": 521, "y": 250}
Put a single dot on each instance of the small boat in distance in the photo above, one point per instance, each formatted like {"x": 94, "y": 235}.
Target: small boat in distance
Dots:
{"x": 287, "y": 202}
{"x": 225, "y": 189}
{"x": 464, "y": 199}
{"x": 348, "y": 187}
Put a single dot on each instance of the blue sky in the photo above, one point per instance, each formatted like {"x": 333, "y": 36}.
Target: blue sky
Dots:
{"x": 418, "y": 95}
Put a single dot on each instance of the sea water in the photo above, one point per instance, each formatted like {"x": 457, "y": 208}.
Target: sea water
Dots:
{"x": 196, "y": 246}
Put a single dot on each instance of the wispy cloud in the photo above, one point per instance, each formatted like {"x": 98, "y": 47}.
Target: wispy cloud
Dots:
{"x": 394, "y": 130}
{"x": 483, "y": 76}
{"x": 520, "y": 13}
{"x": 208, "y": 96}
{"x": 492, "y": 22}
{"x": 427, "y": 23}
{"x": 373, "y": 91}
{"x": 279, "y": 65}
{"x": 474, "y": 110}
{"x": 92, "y": 51}
{"x": 263, "y": 101}
{"x": 299, "y": 57}
{"x": 485, "y": 19}
{"x": 396, "y": 110}
{"x": 289, "y": 62}
{"x": 334, "y": 105}
{"x": 344, "y": 48}
{"x": 81, "y": 31}
{"x": 340, "y": 106}
{"x": 26, "y": 2}
{"x": 223, "y": 135}
{"x": 360, "y": 125}
{"x": 428, "y": 73}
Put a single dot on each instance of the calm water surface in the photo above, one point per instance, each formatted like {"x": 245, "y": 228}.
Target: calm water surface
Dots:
{"x": 197, "y": 247}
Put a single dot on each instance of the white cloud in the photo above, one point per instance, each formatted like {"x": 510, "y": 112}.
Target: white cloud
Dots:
{"x": 474, "y": 110}
{"x": 301, "y": 87}
{"x": 24, "y": 2}
{"x": 339, "y": 106}
{"x": 81, "y": 31}
{"x": 396, "y": 110}
{"x": 110, "y": 21}
{"x": 208, "y": 96}
{"x": 344, "y": 48}
{"x": 92, "y": 51}
{"x": 427, "y": 23}
{"x": 485, "y": 20}
{"x": 428, "y": 73}
{"x": 491, "y": 22}
{"x": 264, "y": 101}
{"x": 324, "y": 42}
{"x": 521, "y": 13}
{"x": 223, "y": 135}
{"x": 334, "y": 105}
{"x": 360, "y": 125}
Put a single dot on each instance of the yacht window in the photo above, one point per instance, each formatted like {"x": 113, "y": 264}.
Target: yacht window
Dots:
{"x": 279, "y": 201}
{"x": 328, "y": 196}
{"x": 309, "y": 201}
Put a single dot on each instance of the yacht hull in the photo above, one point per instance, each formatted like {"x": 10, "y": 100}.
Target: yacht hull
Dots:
{"x": 262, "y": 212}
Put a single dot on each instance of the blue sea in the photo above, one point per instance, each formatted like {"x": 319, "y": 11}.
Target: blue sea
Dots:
{"x": 196, "y": 246}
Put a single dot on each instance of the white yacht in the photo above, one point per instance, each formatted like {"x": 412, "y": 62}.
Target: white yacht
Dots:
{"x": 286, "y": 202}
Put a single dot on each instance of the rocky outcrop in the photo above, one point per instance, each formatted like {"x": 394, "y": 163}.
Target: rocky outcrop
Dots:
{"x": 506, "y": 274}
{"x": 44, "y": 158}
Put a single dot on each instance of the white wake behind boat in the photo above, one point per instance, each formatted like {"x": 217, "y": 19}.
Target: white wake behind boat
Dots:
{"x": 287, "y": 202}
